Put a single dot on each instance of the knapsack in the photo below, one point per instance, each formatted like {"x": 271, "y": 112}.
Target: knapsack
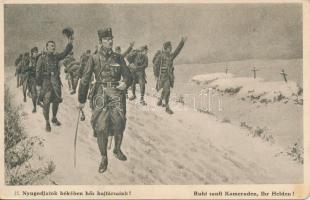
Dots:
{"x": 157, "y": 63}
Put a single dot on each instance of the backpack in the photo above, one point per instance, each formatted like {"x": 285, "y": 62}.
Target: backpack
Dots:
{"x": 157, "y": 63}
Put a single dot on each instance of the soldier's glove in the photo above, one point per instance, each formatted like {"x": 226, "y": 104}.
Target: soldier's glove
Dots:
{"x": 122, "y": 86}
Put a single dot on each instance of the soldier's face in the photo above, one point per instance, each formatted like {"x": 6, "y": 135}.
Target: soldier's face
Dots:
{"x": 107, "y": 42}
{"x": 168, "y": 50}
{"x": 51, "y": 47}
{"x": 34, "y": 54}
{"x": 118, "y": 51}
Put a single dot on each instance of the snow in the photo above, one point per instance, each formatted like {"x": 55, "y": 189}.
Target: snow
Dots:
{"x": 208, "y": 78}
{"x": 253, "y": 89}
{"x": 186, "y": 148}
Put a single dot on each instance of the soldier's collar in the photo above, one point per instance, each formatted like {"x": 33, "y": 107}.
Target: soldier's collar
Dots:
{"x": 105, "y": 51}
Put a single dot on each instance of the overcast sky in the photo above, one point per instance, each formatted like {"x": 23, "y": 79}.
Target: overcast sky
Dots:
{"x": 216, "y": 32}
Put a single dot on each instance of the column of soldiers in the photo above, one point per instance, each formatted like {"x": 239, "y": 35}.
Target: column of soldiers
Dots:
{"x": 104, "y": 78}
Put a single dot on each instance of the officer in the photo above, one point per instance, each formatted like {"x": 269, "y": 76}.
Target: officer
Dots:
{"x": 107, "y": 97}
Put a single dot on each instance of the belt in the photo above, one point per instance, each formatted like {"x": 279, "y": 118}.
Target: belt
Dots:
{"x": 108, "y": 84}
{"x": 49, "y": 73}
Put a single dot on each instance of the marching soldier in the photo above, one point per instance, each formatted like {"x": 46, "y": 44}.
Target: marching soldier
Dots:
{"x": 163, "y": 71}
{"x": 48, "y": 78}
{"x": 32, "y": 77}
{"x": 74, "y": 71}
{"x": 70, "y": 58}
{"x": 138, "y": 63}
{"x": 24, "y": 67}
{"x": 107, "y": 97}
{"x": 17, "y": 66}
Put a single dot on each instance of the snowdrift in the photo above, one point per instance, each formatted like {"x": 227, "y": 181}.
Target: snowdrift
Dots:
{"x": 208, "y": 78}
{"x": 255, "y": 90}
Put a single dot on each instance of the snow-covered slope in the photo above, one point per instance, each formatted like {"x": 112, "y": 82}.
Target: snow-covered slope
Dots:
{"x": 185, "y": 148}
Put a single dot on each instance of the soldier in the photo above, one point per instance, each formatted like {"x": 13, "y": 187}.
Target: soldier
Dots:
{"x": 74, "y": 71}
{"x": 138, "y": 63}
{"x": 48, "y": 78}
{"x": 70, "y": 58}
{"x": 17, "y": 66}
{"x": 107, "y": 97}
{"x": 32, "y": 77}
{"x": 24, "y": 67}
{"x": 163, "y": 71}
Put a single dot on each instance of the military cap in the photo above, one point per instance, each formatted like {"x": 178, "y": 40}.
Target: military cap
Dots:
{"x": 167, "y": 44}
{"x": 34, "y": 49}
{"x": 88, "y": 51}
{"x": 118, "y": 48}
{"x": 102, "y": 33}
{"x": 26, "y": 54}
{"x": 68, "y": 32}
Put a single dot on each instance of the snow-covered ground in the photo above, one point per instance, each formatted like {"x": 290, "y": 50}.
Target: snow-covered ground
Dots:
{"x": 186, "y": 148}
{"x": 208, "y": 78}
{"x": 253, "y": 89}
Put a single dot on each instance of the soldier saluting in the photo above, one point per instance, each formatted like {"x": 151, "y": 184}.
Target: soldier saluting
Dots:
{"x": 48, "y": 78}
{"x": 108, "y": 101}
{"x": 163, "y": 71}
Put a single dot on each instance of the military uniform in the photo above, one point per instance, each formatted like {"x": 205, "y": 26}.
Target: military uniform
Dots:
{"x": 24, "y": 70}
{"x": 164, "y": 72}
{"x": 48, "y": 77}
{"x": 31, "y": 80}
{"x": 108, "y": 103}
{"x": 17, "y": 66}
{"x": 74, "y": 72}
{"x": 66, "y": 62}
{"x": 138, "y": 63}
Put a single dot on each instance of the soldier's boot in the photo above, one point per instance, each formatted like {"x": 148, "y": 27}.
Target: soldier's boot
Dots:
{"x": 34, "y": 102}
{"x": 117, "y": 147}
{"x": 133, "y": 87}
{"x": 48, "y": 127}
{"x": 159, "y": 102}
{"x": 168, "y": 110}
{"x": 142, "y": 101}
{"x": 103, "y": 166}
{"x": 55, "y": 121}
{"x": 142, "y": 89}
{"x": 102, "y": 140}
{"x": 55, "y": 110}
{"x": 132, "y": 97}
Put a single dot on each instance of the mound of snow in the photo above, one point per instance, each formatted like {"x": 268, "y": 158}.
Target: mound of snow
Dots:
{"x": 234, "y": 85}
{"x": 208, "y": 78}
{"x": 259, "y": 90}
{"x": 273, "y": 91}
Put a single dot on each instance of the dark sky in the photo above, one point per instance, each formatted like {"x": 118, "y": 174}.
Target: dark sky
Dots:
{"x": 216, "y": 32}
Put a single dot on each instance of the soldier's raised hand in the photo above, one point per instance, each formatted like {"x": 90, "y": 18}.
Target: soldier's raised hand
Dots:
{"x": 184, "y": 38}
